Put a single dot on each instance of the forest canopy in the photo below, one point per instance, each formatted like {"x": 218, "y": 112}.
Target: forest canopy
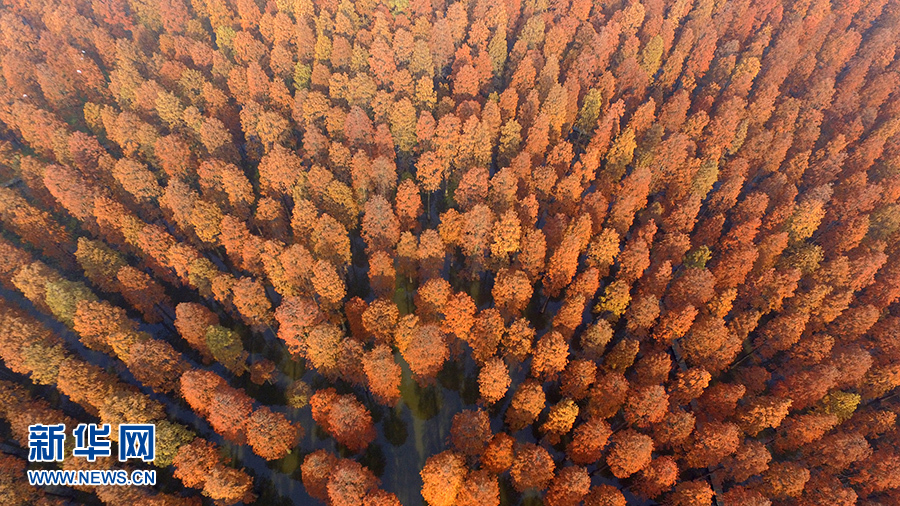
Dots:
{"x": 371, "y": 253}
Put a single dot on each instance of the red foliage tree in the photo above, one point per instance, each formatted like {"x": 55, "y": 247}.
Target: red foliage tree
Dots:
{"x": 383, "y": 374}
{"x": 569, "y": 487}
{"x": 343, "y": 417}
{"x": 349, "y": 482}
{"x": 425, "y": 353}
{"x": 629, "y": 453}
{"x": 442, "y": 478}
{"x": 470, "y": 431}
{"x": 316, "y": 469}
{"x": 657, "y": 477}
{"x": 532, "y": 468}
{"x": 270, "y": 434}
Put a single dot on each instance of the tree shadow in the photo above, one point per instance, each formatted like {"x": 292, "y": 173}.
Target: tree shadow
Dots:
{"x": 395, "y": 430}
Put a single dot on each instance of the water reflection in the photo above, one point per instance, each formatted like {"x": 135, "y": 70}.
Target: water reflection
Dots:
{"x": 394, "y": 428}
{"x": 374, "y": 459}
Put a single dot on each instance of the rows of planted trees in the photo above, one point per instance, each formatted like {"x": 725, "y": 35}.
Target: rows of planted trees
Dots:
{"x": 662, "y": 239}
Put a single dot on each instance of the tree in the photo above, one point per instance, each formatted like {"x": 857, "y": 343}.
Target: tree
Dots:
{"x": 797, "y": 430}
{"x": 349, "y": 482}
{"x": 479, "y": 488}
{"x": 838, "y": 451}
{"x": 431, "y": 254}
{"x": 129, "y": 406}
{"x": 408, "y": 204}
{"x": 270, "y": 434}
{"x": 499, "y": 455}
{"x": 136, "y": 179}
{"x": 426, "y": 353}
{"x": 63, "y": 296}
{"x": 652, "y": 368}
{"x": 430, "y": 171}
{"x": 442, "y": 478}
{"x": 615, "y": 299}
{"x": 380, "y": 498}
{"x": 550, "y": 356}
{"x": 878, "y": 472}
{"x": 37, "y": 227}
{"x": 657, "y": 477}
{"x": 689, "y": 384}
{"x": 527, "y": 402}
{"x": 330, "y": 240}
{"x": 296, "y": 316}
{"x": 403, "y": 124}
{"x": 85, "y": 384}
{"x": 486, "y": 334}
{"x": 607, "y": 395}
{"x": 382, "y": 275}
{"x": 506, "y": 235}
{"x": 564, "y": 261}
{"x": 588, "y": 441}
{"x": 40, "y": 359}
{"x": 170, "y": 438}
{"x": 622, "y": 355}
{"x": 784, "y": 479}
{"x": 229, "y": 413}
{"x": 225, "y": 346}
{"x": 381, "y": 229}
{"x": 470, "y": 431}
{"x": 604, "y": 495}
{"x": 195, "y": 461}
{"x": 532, "y": 468}
{"x": 155, "y": 364}
{"x": 646, "y": 406}
{"x": 577, "y": 378}
{"x": 328, "y": 284}
{"x": 512, "y": 291}
{"x": 706, "y": 336}
{"x": 142, "y": 292}
{"x": 629, "y": 453}
{"x": 459, "y": 314}
{"x": 603, "y": 249}
{"x": 228, "y": 485}
{"x": 711, "y": 443}
{"x": 324, "y": 345}
{"x": 533, "y": 250}
{"x": 476, "y": 234}
{"x": 751, "y": 458}
{"x": 691, "y": 493}
{"x": 761, "y": 413}
{"x": 560, "y": 420}
{"x": 99, "y": 262}
{"x": 493, "y": 380}
{"x": 569, "y": 487}
{"x": 174, "y": 155}
{"x": 315, "y": 471}
{"x": 431, "y": 298}
{"x": 472, "y": 188}
{"x": 343, "y": 417}
{"x": 11, "y": 259}
{"x": 97, "y": 321}
{"x": 383, "y": 374}
{"x": 822, "y": 487}
{"x": 191, "y": 321}
{"x": 251, "y": 301}
{"x": 595, "y": 338}
{"x": 197, "y": 387}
